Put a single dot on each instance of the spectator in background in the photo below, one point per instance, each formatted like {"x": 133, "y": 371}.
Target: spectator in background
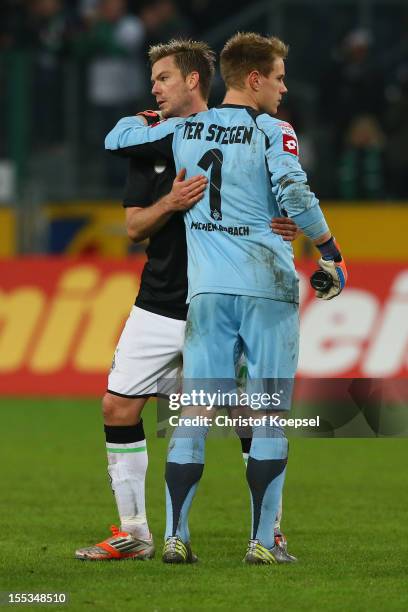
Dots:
{"x": 112, "y": 44}
{"x": 352, "y": 86}
{"x": 11, "y": 17}
{"x": 163, "y": 21}
{"x": 397, "y": 137}
{"x": 361, "y": 164}
{"x": 87, "y": 8}
{"x": 44, "y": 32}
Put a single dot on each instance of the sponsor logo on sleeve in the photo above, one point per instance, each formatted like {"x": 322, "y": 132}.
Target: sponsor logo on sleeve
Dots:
{"x": 290, "y": 144}
{"x": 286, "y": 128}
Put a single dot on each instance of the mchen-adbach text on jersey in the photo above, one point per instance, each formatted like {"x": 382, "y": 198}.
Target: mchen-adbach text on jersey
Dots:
{"x": 251, "y": 161}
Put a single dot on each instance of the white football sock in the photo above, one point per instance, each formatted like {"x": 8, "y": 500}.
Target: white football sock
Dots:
{"x": 127, "y": 465}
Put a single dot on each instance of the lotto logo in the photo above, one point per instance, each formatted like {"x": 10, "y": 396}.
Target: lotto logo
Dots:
{"x": 290, "y": 144}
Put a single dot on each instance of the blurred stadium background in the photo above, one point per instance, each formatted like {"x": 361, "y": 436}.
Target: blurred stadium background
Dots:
{"x": 68, "y": 277}
{"x": 69, "y": 70}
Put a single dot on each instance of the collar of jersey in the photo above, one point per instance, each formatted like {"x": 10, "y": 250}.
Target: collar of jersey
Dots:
{"x": 236, "y": 106}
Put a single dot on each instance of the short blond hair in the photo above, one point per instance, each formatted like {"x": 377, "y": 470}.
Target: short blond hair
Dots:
{"x": 248, "y": 51}
{"x": 189, "y": 56}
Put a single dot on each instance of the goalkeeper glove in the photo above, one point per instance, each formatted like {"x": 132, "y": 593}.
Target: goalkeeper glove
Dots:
{"x": 333, "y": 264}
{"x": 151, "y": 117}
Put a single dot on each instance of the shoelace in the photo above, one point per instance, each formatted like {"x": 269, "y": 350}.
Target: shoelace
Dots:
{"x": 172, "y": 543}
{"x": 252, "y": 545}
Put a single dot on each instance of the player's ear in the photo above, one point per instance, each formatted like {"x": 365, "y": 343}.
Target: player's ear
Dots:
{"x": 254, "y": 80}
{"x": 192, "y": 80}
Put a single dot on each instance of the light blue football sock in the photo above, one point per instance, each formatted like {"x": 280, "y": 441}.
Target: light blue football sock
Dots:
{"x": 184, "y": 468}
{"x": 265, "y": 475}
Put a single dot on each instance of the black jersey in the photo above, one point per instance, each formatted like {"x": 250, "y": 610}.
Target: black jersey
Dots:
{"x": 163, "y": 287}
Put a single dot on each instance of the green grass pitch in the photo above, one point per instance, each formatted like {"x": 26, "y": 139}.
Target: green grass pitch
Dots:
{"x": 345, "y": 515}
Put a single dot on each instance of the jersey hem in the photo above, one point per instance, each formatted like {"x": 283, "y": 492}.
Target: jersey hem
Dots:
{"x": 246, "y": 292}
{"x": 141, "y": 395}
{"x": 162, "y": 312}
{"x": 131, "y": 396}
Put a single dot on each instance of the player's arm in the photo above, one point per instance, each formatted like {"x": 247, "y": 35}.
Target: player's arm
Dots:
{"x": 144, "y": 221}
{"x": 289, "y": 185}
{"x": 131, "y": 133}
{"x": 141, "y": 223}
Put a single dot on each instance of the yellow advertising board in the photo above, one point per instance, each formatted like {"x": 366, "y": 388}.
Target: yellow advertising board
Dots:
{"x": 365, "y": 230}
{"x": 8, "y": 238}
{"x": 375, "y": 230}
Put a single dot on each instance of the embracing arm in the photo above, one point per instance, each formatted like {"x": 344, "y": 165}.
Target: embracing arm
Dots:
{"x": 285, "y": 227}
{"x": 140, "y": 136}
{"x": 144, "y": 222}
{"x": 131, "y": 134}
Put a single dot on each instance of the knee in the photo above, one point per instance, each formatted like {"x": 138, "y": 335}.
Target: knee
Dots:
{"x": 269, "y": 442}
{"x": 109, "y": 407}
{"x": 118, "y": 410}
{"x": 121, "y": 410}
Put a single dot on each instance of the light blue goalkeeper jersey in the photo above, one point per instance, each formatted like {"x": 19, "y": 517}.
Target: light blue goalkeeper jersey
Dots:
{"x": 251, "y": 161}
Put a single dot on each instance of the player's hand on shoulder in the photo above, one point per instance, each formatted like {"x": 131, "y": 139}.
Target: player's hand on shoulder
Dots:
{"x": 285, "y": 227}
{"x": 150, "y": 117}
{"x": 186, "y": 192}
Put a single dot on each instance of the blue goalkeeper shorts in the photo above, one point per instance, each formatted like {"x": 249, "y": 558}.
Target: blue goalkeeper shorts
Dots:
{"x": 220, "y": 327}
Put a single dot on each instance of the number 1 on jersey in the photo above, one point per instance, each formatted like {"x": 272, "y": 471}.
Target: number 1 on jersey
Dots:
{"x": 214, "y": 158}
